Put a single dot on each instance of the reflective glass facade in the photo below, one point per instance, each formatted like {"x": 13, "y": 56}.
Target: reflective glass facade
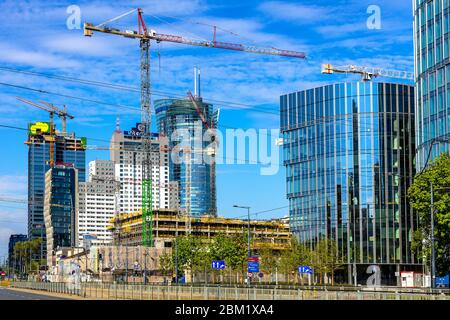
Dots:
{"x": 432, "y": 69}
{"x": 196, "y": 178}
{"x": 13, "y": 239}
{"x": 38, "y": 156}
{"x": 348, "y": 153}
{"x": 66, "y": 149}
{"x": 60, "y": 207}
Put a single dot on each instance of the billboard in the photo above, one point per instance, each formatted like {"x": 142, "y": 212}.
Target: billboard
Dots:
{"x": 139, "y": 131}
{"x": 83, "y": 142}
{"x": 38, "y": 128}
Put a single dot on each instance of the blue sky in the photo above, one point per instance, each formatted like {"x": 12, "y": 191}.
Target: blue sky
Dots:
{"x": 35, "y": 37}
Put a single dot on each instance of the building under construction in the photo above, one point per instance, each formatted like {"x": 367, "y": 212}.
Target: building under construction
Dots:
{"x": 186, "y": 123}
{"x": 167, "y": 224}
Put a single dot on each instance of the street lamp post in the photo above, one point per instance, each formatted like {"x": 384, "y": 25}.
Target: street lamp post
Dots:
{"x": 145, "y": 266}
{"x": 248, "y": 236}
{"x": 433, "y": 264}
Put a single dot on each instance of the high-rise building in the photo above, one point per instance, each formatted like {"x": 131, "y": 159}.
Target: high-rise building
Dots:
{"x": 348, "y": 152}
{"x": 67, "y": 149}
{"x": 97, "y": 202}
{"x": 13, "y": 239}
{"x": 60, "y": 208}
{"x": 180, "y": 122}
{"x": 126, "y": 153}
{"x": 432, "y": 71}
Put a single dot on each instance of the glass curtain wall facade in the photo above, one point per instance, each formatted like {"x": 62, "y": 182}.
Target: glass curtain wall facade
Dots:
{"x": 13, "y": 240}
{"x": 348, "y": 153}
{"x": 38, "y": 165}
{"x": 66, "y": 149}
{"x": 60, "y": 207}
{"x": 178, "y": 119}
{"x": 432, "y": 70}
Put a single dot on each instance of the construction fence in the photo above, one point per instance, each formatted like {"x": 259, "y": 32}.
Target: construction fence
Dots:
{"x": 109, "y": 291}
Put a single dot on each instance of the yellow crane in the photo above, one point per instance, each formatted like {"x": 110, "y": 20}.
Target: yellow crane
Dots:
{"x": 52, "y": 110}
{"x": 367, "y": 73}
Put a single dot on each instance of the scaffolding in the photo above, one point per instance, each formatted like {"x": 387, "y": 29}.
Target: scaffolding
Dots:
{"x": 273, "y": 234}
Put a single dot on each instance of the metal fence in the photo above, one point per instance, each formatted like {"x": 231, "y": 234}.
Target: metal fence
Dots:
{"x": 110, "y": 291}
{"x": 55, "y": 287}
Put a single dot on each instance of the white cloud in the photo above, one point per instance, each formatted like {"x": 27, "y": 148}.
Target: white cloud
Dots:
{"x": 76, "y": 44}
{"x": 295, "y": 12}
{"x": 35, "y": 58}
{"x": 13, "y": 185}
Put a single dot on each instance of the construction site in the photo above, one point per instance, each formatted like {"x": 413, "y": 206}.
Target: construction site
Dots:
{"x": 168, "y": 224}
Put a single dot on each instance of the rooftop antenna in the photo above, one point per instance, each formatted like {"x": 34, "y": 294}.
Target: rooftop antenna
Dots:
{"x": 118, "y": 124}
{"x": 195, "y": 81}
{"x": 198, "y": 75}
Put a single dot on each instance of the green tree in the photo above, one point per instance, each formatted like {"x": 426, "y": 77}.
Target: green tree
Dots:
{"x": 24, "y": 252}
{"x": 325, "y": 259}
{"x": 189, "y": 253}
{"x": 297, "y": 254}
{"x": 269, "y": 260}
{"x": 232, "y": 249}
{"x": 166, "y": 264}
{"x": 419, "y": 194}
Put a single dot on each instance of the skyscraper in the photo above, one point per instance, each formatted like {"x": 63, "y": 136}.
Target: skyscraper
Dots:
{"x": 432, "y": 70}
{"x": 97, "y": 202}
{"x": 60, "y": 208}
{"x": 67, "y": 149}
{"x": 127, "y": 156}
{"x": 348, "y": 151}
{"x": 180, "y": 122}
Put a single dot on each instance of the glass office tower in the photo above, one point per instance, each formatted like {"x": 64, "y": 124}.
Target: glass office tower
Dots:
{"x": 432, "y": 70}
{"x": 195, "y": 177}
{"x": 348, "y": 152}
{"x": 66, "y": 149}
{"x": 60, "y": 207}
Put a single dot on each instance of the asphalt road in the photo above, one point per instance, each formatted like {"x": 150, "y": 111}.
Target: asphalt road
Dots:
{"x": 7, "y": 294}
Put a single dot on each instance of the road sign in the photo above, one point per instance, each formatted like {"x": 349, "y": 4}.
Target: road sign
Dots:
{"x": 305, "y": 269}
{"x": 442, "y": 281}
{"x": 253, "y": 266}
{"x": 253, "y": 259}
{"x": 261, "y": 274}
{"x": 218, "y": 264}
{"x": 250, "y": 274}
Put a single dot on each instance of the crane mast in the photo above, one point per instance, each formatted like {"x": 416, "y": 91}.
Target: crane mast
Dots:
{"x": 145, "y": 35}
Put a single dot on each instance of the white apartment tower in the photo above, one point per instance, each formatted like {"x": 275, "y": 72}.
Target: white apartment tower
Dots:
{"x": 125, "y": 152}
{"x": 97, "y": 202}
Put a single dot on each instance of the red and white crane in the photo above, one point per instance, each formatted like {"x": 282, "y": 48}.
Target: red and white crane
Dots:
{"x": 145, "y": 36}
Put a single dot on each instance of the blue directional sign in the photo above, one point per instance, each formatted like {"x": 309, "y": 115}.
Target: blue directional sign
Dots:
{"x": 253, "y": 266}
{"x": 442, "y": 282}
{"x": 305, "y": 269}
{"x": 218, "y": 264}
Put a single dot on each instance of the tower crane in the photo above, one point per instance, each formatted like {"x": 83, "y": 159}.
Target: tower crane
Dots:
{"x": 52, "y": 110}
{"x": 145, "y": 35}
{"x": 367, "y": 73}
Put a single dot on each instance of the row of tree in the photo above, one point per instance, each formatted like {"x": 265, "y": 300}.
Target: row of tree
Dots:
{"x": 194, "y": 254}
{"x": 23, "y": 253}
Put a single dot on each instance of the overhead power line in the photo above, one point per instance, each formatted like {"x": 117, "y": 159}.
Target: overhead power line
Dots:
{"x": 237, "y": 160}
{"x": 68, "y": 96}
{"x": 164, "y": 94}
